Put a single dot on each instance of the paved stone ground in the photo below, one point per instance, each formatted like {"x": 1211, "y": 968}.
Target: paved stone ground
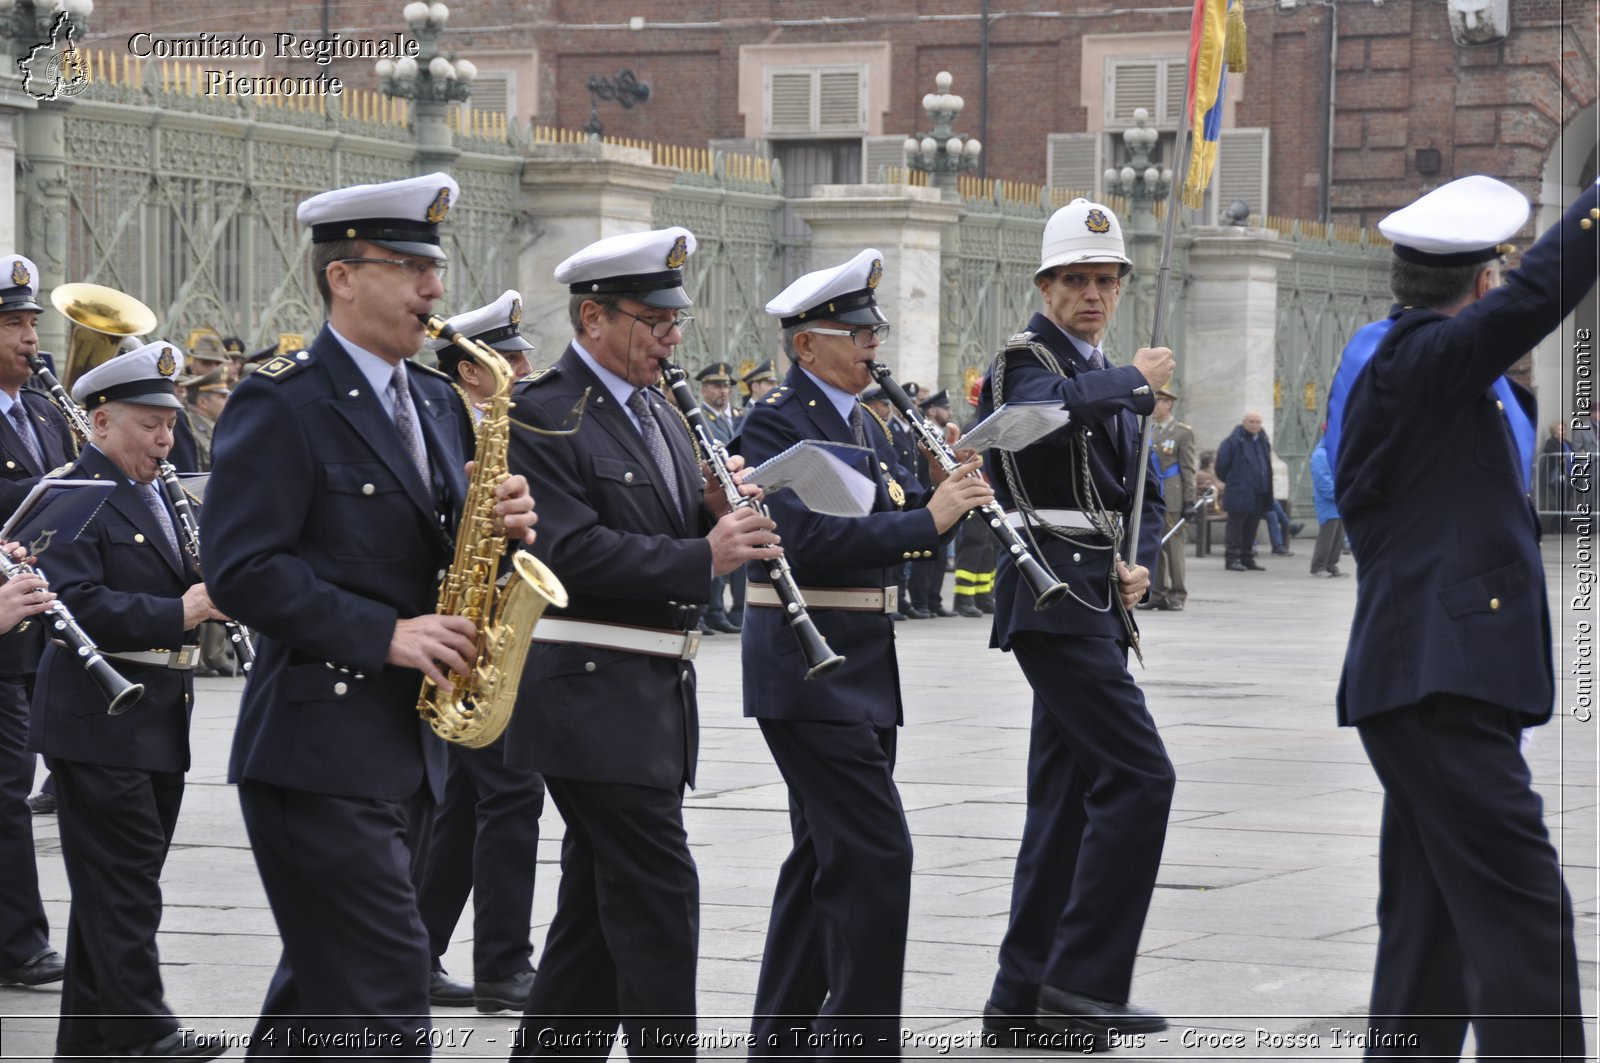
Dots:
{"x": 1262, "y": 919}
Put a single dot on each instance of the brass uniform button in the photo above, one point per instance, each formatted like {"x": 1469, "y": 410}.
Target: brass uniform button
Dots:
{"x": 1494, "y": 603}
{"x": 341, "y": 689}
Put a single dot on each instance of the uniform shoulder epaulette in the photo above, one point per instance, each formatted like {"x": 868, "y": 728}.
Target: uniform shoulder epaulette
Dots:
{"x": 429, "y": 370}
{"x": 284, "y": 365}
{"x": 778, "y": 395}
{"x": 542, "y": 376}
{"x": 1024, "y": 338}
{"x": 1190, "y": 427}
{"x": 59, "y": 471}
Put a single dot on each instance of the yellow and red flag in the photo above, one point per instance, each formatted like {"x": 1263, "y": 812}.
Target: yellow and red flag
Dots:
{"x": 1216, "y": 45}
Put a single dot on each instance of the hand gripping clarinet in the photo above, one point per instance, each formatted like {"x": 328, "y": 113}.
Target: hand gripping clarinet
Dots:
{"x": 189, "y": 528}
{"x": 820, "y": 659}
{"x": 1047, "y": 590}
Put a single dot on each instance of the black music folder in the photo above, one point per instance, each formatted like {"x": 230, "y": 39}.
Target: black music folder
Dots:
{"x": 55, "y": 511}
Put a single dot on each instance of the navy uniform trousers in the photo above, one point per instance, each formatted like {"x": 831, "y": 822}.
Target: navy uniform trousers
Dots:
{"x": 24, "y": 930}
{"x": 485, "y": 843}
{"x": 1469, "y": 883}
{"x": 1099, "y": 789}
{"x": 844, "y": 892}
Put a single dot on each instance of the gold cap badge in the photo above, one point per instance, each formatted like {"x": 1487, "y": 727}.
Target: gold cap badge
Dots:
{"x": 439, "y": 207}
{"x": 1097, "y": 222}
{"x": 167, "y": 364}
{"x": 679, "y": 253}
{"x": 19, "y": 274}
{"x": 877, "y": 273}
{"x": 516, "y": 311}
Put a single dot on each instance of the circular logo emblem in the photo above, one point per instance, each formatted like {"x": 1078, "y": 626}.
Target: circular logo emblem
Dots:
{"x": 679, "y": 253}
{"x": 167, "y": 363}
{"x": 1097, "y": 222}
{"x": 877, "y": 273}
{"x": 19, "y": 274}
{"x": 439, "y": 207}
{"x": 516, "y": 311}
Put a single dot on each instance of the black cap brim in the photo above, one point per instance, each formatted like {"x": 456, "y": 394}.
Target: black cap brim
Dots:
{"x": 410, "y": 247}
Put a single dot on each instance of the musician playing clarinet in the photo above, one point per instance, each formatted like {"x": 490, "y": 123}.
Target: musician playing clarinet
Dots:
{"x": 1099, "y": 781}
{"x": 836, "y": 941}
{"x": 119, "y": 779}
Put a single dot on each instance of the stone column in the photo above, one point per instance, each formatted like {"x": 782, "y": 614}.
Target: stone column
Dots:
{"x": 907, "y": 225}
{"x": 1229, "y": 359}
{"x": 43, "y": 236}
{"x": 573, "y": 195}
{"x": 436, "y": 148}
{"x": 15, "y": 108}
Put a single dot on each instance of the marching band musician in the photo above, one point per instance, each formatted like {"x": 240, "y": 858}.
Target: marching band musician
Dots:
{"x": 716, "y": 403}
{"x": 34, "y": 438}
{"x": 486, "y": 832}
{"x": 119, "y": 779}
{"x": 836, "y": 942}
{"x": 607, "y": 710}
{"x": 338, "y": 480}
{"x": 1099, "y": 781}
{"x": 1449, "y": 656}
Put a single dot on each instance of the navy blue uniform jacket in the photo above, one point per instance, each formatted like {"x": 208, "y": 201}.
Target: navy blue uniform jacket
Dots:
{"x": 319, "y": 534}
{"x": 826, "y": 551}
{"x": 1105, "y": 405}
{"x": 1451, "y": 596}
{"x": 125, "y": 588}
{"x": 626, "y": 555}
{"x": 19, "y": 652}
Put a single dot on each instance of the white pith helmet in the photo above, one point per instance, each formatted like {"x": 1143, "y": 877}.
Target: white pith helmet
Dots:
{"x": 1082, "y": 232}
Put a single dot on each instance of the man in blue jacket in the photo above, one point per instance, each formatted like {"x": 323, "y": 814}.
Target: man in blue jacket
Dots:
{"x": 1244, "y": 465}
{"x": 1449, "y": 655}
{"x": 1099, "y": 780}
{"x": 837, "y": 937}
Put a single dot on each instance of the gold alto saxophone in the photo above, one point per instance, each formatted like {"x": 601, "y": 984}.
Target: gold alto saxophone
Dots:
{"x": 478, "y": 710}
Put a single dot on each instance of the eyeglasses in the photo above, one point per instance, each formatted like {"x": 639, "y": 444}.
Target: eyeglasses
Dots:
{"x": 660, "y": 329}
{"x": 417, "y": 267}
{"x": 1105, "y": 282}
{"x": 862, "y": 334}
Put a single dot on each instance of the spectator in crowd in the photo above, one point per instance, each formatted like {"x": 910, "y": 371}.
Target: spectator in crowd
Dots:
{"x": 1280, "y": 529}
{"x": 1555, "y": 471}
{"x": 1330, "y": 529}
{"x": 1173, "y": 443}
{"x": 760, "y": 380}
{"x": 1244, "y": 464}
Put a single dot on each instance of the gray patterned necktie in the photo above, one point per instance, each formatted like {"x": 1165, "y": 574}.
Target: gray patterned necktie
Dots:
{"x": 1097, "y": 359}
{"x": 656, "y": 444}
{"x": 19, "y": 421}
{"x": 159, "y": 508}
{"x": 405, "y": 422}
{"x": 858, "y": 426}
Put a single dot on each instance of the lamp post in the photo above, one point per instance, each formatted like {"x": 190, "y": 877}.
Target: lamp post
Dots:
{"x": 26, "y": 23}
{"x": 624, "y": 89}
{"x": 1139, "y": 179}
{"x": 430, "y": 78}
{"x": 942, "y": 154}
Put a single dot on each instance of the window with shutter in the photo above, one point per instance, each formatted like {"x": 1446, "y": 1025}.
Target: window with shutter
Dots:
{"x": 839, "y": 107}
{"x": 816, "y": 101}
{"x": 1156, "y": 84}
{"x": 879, "y": 154}
{"x": 789, "y": 101}
{"x": 1241, "y": 171}
{"x": 1075, "y": 162}
{"x": 495, "y": 92}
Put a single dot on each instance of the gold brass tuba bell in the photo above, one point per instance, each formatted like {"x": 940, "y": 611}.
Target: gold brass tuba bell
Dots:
{"x": 101, "y": 319}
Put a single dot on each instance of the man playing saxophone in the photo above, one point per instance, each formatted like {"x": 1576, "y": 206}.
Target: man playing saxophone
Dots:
{"x": 339, "y": 480}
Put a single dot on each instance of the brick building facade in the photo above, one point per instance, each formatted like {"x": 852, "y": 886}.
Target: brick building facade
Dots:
{"x": 1412, "y": 107}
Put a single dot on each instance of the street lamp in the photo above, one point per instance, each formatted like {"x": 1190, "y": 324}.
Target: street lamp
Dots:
{"x": 431, "y": 76}
{"x": 1139, "y": 179}
{"x": 942, "y": 154}
{"x": 624, "y": 89}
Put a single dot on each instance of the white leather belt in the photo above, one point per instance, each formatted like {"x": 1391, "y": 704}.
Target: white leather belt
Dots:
{"x": 182, "y": 659}
{"x": 654, "y": 642}
{"x": 1061, "y": 518}
{"x": 851, "y": 599}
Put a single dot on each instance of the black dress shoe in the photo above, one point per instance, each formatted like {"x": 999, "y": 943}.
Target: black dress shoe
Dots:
{"x": 1237, "y": 566}
{"x": 913, "y": 613}
{"x": 898, "y": 616}
{"x": 1003, "y": 1030}
{"x": 967, "y": 609}
{"x": 1061, "y": 1010}
{"x": 46, "y": 965}
{"x": 985, "y": 603}
{"x": 42, "y": 804}
{"x": 940, "y": 610}
{"x": 179, "y": 1044}
{"x": 504, "y": 994}
{"x": 1171, "y": 607}
{"x": 1251, "y": 564}
{"x": 1296, "y": 527}
{"x": 1285, "y": 552}
{"x": 447, "y": 992}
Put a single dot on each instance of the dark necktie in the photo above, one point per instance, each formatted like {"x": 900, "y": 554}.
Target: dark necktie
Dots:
{"x": 656, "y": 444}
{"x": 1097, "y": 359}
{"x": 405, "y": 422}
{"x": 159, "y": 508}
{"x": 858, "y": 427}
{"x": 19, "y": 421}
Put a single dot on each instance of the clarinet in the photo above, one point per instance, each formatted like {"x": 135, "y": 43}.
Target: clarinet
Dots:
{"x": 189, "y": 527}
{"x": 1047, "y": 590}
{"x": 820, "y": 659}
{"x": 64, "y": 629}
{"x": 69, "y": 409}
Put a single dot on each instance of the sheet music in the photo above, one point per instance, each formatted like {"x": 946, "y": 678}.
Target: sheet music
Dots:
{"x": 823, "y": 475}
{"x": 1015, "y": 425}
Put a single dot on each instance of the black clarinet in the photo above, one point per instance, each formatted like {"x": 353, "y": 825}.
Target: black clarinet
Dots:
{"x": 69, "y": 409}
{"x": 64, "y": 629}
{"x": 189, "y": 528}
{"x": 1047, "y": 590}
{"x": 820, "y": 658}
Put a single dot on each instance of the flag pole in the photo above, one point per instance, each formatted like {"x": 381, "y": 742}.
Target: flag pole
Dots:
{"x": 1159, "y": 321}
